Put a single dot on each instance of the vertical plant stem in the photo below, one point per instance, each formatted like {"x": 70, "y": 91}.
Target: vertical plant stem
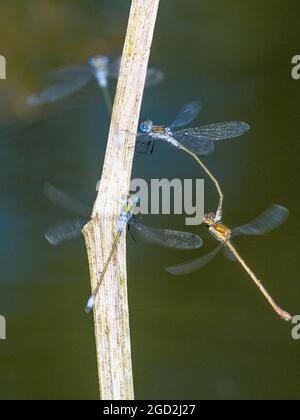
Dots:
{"x": 111, "y": 314}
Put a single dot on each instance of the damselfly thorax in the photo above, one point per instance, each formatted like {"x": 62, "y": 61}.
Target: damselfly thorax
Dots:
{"x": 159, "y": 132}
{"x": 100, "y": 68}
{"x": 221, "y": 232}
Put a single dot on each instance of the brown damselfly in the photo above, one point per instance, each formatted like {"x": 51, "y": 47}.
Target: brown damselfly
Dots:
{"x": 268, "y": 221}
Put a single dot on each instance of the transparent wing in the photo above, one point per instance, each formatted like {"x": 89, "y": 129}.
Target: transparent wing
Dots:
{"x": 187, "y": 114}
{"x": 72, "y": 81}
{"x": 65, "y": 232}
{"x": 82, "y": 72}
{"x": 154, "y": 77}
{"x": 168, "y": 238}
{"x": 54, "y": 93}
{"x": 271, "y": 219}
{"x": 197, "y": 146}
{"x": 228, "y": 254}
{"x": 194, "y": 265}
{"x": 142, "y": 138}
{"x": 114, "y": 68}
{"x": 201, "y": 139}
{"x": 63, "y": 200}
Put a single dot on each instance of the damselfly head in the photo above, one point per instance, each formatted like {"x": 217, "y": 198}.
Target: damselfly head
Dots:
{"x": 209, "y": 219}
{"x": 99, "y": 62}
{"x": 146, "y": 126}
{"x": 137, "y": 200}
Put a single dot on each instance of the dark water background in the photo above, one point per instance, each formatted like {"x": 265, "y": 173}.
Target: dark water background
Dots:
{"x": 207, "y": 335}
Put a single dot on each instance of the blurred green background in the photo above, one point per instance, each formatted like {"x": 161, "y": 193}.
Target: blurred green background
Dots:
{"x": 209, "y": 335}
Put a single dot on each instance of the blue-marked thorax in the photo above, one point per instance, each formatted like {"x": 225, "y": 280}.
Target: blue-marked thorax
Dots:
{"x": 168, "y": 131}
{"x": 99, "y": 62}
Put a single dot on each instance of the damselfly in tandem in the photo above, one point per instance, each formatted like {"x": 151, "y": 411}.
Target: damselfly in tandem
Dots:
{"x": 72, "y": 229}
{"x": 193, "y": 141}
{"x": 271, "y": 219}
{"x": 73, "y": 78}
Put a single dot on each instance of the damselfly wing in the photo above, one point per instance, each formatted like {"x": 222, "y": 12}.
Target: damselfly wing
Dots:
{"x": 71, "y": 229}
{"x": 71, "y": 79}
{"x": 199, "y": 140}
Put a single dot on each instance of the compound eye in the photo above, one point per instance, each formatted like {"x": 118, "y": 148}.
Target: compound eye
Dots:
{"x": 144, "y": 127}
